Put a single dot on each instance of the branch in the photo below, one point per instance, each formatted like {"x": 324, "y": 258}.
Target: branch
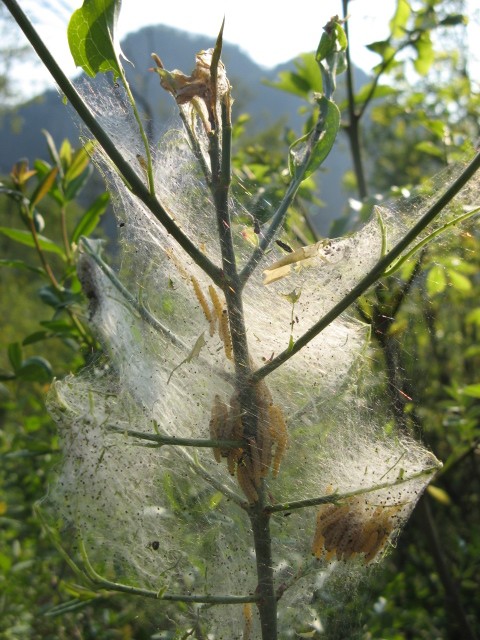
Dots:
{"x": 162, "y": 440}
{"x": 333, "y": 498}
{"x": 374, "y": 274}
{"x": 157, "y": 595}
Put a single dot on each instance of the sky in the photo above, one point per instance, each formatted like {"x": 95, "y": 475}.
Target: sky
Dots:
{"x": 270, "y": 32}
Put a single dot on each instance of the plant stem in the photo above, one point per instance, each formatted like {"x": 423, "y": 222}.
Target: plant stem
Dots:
{"x": 134, "y": 181}
{"x": 352, "y": 128}
{"x": 332, "y": 498}
{"x": 451, "y": 590}
{"x": 280, "y": 214}
{"x": 375, "y": 273}
{"x": 162, "y": 440}
{"x": 267, "y": 604}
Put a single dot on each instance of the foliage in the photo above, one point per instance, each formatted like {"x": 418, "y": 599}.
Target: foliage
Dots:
{"x": 418, "y": 339}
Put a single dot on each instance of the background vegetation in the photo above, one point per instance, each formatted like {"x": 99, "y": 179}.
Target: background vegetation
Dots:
{"x": 418, "y": 114}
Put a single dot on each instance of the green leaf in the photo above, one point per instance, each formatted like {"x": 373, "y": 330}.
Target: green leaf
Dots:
{"x": 472, "y": 390}
{"x": 436, "y": 280}
{"x": 293, "y": 296}
{"x": 52, "y": 149}
{"x": 79, "y": 162}
{"x": 91, "y": 37}
{"x": 302, "y": 147}
{"x": 473, "y": 317}
{"x": 91, "y": 217}
{"x": 65, "y": 153}
{"x": 428, "y": 147}
{"x": 440, "y": 495}
{"x": 14, "y": 352}
{"x": 35, "y": 369}
{"x": 38, "y": 336}
{"x": 399, "y": 21}
{"x": 25, "y": 237}
{"x": 333, "y": 40}
{"x": 72, "y": 188}
{"x": 20, "y": 264}
{"x": 459, "y": 281}
{"x": 305, "y": 79}
{"x": 425, "y": 54}
{"x": 44, "y": 187}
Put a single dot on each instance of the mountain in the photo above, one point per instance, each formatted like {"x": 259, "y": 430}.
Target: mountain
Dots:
{"x": 20, "y": 130}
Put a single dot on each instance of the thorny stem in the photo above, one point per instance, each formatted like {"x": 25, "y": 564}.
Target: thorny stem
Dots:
{"x": 375, "y": 273}
{"x": 132, "y": 179}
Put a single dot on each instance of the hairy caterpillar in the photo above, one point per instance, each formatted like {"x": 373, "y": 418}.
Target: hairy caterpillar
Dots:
{"x": 346, "y": 530}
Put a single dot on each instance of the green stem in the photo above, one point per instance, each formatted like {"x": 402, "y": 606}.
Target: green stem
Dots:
{"x": 375, "y": 273}
{"x": 66, "y": 243}
{"x": 352, "y": 128}
{"x": 426, "y": 240}
{"x": 134, "y": 182}
{"x": 130, "y": 298}
{"x": 162, "y": 440}
{"x": 333, "y": 498}
{"x": 157, "y": 595}
{"x": 280, "y": 214}
{"x": 146, "y": 145}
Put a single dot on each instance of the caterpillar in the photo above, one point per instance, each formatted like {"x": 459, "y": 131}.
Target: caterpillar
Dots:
{"x": 202, "y": 300}
{"x": 248, "y": 624}
{"x": 279, "y": 433}
{"x": 217, "y": 425}
{"x": 347, "y": 530}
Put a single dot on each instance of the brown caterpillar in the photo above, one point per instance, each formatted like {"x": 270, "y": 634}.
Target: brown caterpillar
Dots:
{"x": 201, "y": 299}
{"x": 248, "y": 625}
{"x": 279, "y": 432}
{"x": 347, "y": 530}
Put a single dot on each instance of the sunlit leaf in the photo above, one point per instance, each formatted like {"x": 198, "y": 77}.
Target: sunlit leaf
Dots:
{"x": 459, "y": 281}
{"x": 44, "y": 187}
{"x": 399, "y": 21}
{"x": 52, "y": 148}
{"x": 440, "y": 495}
{"x": 436, "y": 280}
{"x": 302, "y": 147}
{"x": 425, "y": 54}
{"x": 472, "y": 391}
{"x": 428, "y": 147}
{"x": 79, "y": 162}
{"x": 91, "y": 37}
